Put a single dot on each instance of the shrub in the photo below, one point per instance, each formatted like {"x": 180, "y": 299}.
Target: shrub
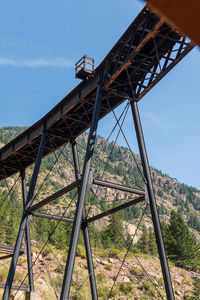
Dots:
{"x": 137, "y": 271}
{"x": 109, "y": 267}
{"x": 80, "y": 251}
{"x": 3, "y": 274}
{"x": 101, "y": 276}
{"x": 59, "y": 269}
{"x": 103, "y": 292}
{"x": 126, "y": 288}
{"x": 20, "y": 261}
{"x": 114, "y": 253}
{"x": 159, "y": 193}
{"x": 196, "y": 290}
{"x": 57, "y": 281}
{"x": 148, "y": 287}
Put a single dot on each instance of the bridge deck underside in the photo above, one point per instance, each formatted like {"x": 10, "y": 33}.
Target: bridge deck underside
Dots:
{"x": 147, "y": 51}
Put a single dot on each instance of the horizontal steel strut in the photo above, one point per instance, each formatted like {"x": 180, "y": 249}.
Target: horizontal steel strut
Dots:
{"x": 144, "y": 54}
{"x": 16, "y": 288}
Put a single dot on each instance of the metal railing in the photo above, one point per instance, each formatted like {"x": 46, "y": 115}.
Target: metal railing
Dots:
{"x": 86, "y": 64}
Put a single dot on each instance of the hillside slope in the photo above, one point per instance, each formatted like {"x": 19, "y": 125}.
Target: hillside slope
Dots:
{"x": 122, "y": 168}
{"x": 170, "y": 193}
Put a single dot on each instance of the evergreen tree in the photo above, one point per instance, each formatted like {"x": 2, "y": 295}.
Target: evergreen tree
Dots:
{"x": 129, "y": 240}
{"x": 196, "y": 290}
{"x": 152, "y": 243}
{"x": 11, "y": 226}
{"x": 2, "y": 229}
{"x": 2, "y": 218}
{"x": 143, "y": 243}
{"x": 194, "y": 222}
{"x": 42, "y": 228}
{"x": 181, "y": 245}
{"x": 95, "y": 236}
{"x": 111, "y": 233}
{"x": 59, "y": 237}
{"x": 147, "y": 243}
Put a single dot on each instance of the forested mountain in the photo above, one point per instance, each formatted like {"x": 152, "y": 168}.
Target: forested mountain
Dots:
{"x": 9, "y": 133}
{"x": 170, "y": 193}
{"x": 178, "y": 203}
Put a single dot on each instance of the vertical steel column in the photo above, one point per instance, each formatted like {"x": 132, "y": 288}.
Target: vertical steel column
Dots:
{"x": 22, "y": 227}
{"x": 81, "y": 196}
{"x": 27, "y": 234}
{"x": 85, "y": 230}
{"x": 152, "y": 201}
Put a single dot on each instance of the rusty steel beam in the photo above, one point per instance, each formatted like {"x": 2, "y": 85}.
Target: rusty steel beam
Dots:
{"x": 149, "y": 36}
{"x": 175, "y": 62}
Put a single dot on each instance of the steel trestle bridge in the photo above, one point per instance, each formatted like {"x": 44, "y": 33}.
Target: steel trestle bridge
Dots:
{"x": 144, "y": 54}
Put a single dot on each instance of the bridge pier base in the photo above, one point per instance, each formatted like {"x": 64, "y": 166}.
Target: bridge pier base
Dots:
{"x": 31, "y": 296}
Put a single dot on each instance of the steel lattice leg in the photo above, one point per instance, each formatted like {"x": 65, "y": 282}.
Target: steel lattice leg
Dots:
{"x": 85, "y": 231}
{"x": 27, "y": 235}
{"x": 22, "y": 227}
{"x": 81, "y": 197}
{"x": 152, "y": 202}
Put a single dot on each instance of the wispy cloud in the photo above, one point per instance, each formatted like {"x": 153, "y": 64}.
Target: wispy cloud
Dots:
{"x": 158, "y": 121}
{"x": 57, "y": 62}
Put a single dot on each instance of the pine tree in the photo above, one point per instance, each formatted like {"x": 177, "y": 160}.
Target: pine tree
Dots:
{"x": 152, "y": 243}
{"x": 111, "y": 233}
{"x": 95, "y": 236}
{"x": 2, "y": 218}
{"x": 181, "y": 245}
{"x": 41, "y": 228}
{"x": 57, "y": 234}
{"x": 143, "y": 243}
{"x": 11, "y": 226}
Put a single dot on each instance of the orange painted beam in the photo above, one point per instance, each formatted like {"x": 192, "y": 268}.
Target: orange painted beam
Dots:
{"x": 184, "y": 15}
{"x": 150, "y": 35}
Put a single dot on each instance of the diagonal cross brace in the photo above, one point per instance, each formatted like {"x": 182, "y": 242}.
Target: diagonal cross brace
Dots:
{"x": 22, "y": 227}
{"x": 27, "y": 234}
{"x": 85, "y": 230}
{"x": 81, "y": 196}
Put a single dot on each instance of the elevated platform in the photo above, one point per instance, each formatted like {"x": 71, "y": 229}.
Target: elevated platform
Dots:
{"x": 84, "y": 67}
{"x": 144, "y": 54}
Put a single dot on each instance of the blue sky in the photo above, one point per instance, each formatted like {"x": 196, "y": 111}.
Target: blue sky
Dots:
{"x": 41, "y": 40}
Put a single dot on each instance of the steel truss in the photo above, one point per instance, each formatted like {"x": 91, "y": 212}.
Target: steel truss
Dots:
{"x": 80, "y": 221}
{"x": 147, "y": 51}
{"x": 144, "y": 54}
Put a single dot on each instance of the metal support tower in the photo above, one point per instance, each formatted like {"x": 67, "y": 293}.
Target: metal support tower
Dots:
{"x": 152, "y": 201}
{"x": 86, "y": 236}
{"x": 145, "y": 53}
{"x": 81, "y": 198}
{"x": 22, "y": 227}
{"x": 80, "y": 221}
{"x": 27, "y": 234}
